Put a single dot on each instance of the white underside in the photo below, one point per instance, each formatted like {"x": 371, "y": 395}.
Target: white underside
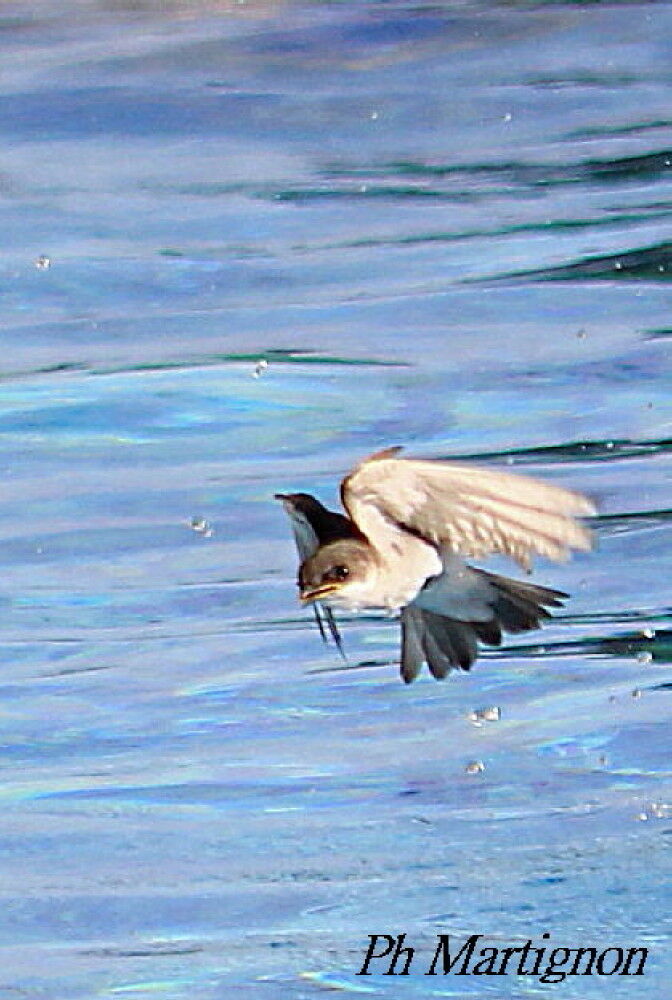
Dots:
{"x": 420, "y": 577}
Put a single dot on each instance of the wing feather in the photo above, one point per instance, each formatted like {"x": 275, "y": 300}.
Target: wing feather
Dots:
{"x": 470, "y": 510}
{"x": 309, "y": 535}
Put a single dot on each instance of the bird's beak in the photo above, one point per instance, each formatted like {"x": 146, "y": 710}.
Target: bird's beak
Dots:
{"x": 308, "y": 595}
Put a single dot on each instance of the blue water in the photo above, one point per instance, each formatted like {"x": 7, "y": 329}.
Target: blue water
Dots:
{"x": 445, "y": 227}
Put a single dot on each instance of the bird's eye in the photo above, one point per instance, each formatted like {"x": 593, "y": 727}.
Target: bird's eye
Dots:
{"x": 337, "y": 574}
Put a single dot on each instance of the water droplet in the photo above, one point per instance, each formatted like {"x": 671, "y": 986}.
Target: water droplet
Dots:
{"x": 474, "y": 767}
{"x": 201, "y": 527}
{"x": 491, "y": 714}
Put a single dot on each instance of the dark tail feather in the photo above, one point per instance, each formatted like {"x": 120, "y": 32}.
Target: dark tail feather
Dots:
{"x": 519, "y": 607}
{"x": 447, "y": 644}
{"x": 450, "y": 643}
{"x": 412, "y": 651}
{"x": 443, "y": 643}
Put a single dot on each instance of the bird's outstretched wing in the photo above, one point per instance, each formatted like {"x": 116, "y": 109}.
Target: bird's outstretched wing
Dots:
{"x": 469, "y": 510}
{"x": 312, "y": 526}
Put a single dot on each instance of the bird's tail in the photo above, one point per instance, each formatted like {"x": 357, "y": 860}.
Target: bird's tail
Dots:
{"x": 447, "y": 644}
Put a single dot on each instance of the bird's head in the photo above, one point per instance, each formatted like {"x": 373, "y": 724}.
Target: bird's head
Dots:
{"x": 336, "y": 572}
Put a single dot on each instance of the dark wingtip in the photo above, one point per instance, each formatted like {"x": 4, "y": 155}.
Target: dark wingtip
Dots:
{"x": 303, "y": 501}
{"x": 335, "y": 633}
{"x": 385, "y": 453}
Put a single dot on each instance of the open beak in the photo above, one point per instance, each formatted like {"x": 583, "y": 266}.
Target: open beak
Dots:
{"x": 317, "y": 593}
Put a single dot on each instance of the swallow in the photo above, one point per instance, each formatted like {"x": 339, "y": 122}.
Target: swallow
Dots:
{"x": 411, "y": 525}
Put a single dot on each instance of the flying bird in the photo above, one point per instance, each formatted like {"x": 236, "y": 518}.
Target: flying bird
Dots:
{"x": 410, "y": 526}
